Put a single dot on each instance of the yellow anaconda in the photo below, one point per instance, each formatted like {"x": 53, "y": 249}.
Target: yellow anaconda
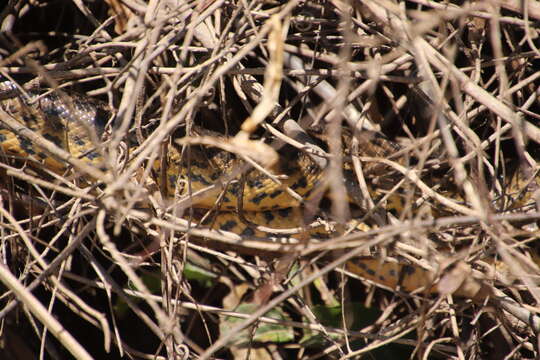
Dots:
{"x": 73, "y": 124}
{"x": 76, "y": 125}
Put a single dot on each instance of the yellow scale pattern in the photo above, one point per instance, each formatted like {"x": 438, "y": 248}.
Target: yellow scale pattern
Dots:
{"x": 71, "y": 123}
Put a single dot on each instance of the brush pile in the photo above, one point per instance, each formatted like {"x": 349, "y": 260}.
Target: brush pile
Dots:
{"x": 424, "y": 115}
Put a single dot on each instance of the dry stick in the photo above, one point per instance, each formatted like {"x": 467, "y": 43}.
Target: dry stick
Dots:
{"x": 229, "y": 313}
{"x": 297, "y": 137}
{"x": 293, "y": 133}
{"x": 22, "y": 53}
{"x": 133, "y": 87}
{"x": 532, "y": 7}
{"x": 412, "y": 176}
{"x": 367, "y": 203}
{"x": 245, "y": 152}
{"x": 517, "y": 310}
{"x": 232, "y": 240}
{"x": 167, "y": 324}
{"x": 241, "y": 143}
{"x": 438, "y": 100}
{"x": 238, "y": 242}
{"x": 26, "y": 240}
{"x": 165, "y": 129}
{"x": 196, "y": 29}
{"x": 272, "y": 85}
{"x": 66, "y": 293}
{"x": 36, "y": 308}
{"x": 348, "y": 244}
{"x": 91, "y": 18}
{"x": 225, "y": 339}
{"x": 380, "y": 343}
{"x": 454, "y": 326}
{"x": 337, "y": 190}
{"x": 327, "y": 91}
{"x": 25, "y": 296}
{"x": 441, "y": 63}
{"x": 97, "y": 73}
{"x": 42, "y": 183}
{"x": 132, "y": 90}
{"x": 479, "y": 94}
{"x": 466, "y": 84}
{"x": 109, "y": 282}
{"x": 454, "y": 11}
{"x": 44, "y": 205}
{"x": 354, "y": 118}
{"x": 482, "y": 96}
{"x": 355, "y": 74}
{"x": 356, "y": 239}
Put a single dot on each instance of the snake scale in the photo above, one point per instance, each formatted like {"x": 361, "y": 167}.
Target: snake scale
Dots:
{"x": 76, "y": 125}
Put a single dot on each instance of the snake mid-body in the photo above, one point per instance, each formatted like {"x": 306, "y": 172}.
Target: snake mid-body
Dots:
{"x": 76, "y": 125}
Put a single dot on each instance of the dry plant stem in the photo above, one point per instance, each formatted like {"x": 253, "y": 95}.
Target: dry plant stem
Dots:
{"x": 233, "y": 173}
{"x": 442, "y": 64}
{"x": 36, "y": 308}
{"x": 234, "y": 241}
{"x": 357, "y": 239}
{"x": 244, "y": 149}
{"x": 42, "y": 183}
{"x": 297, "y": 137}
{"x": 164, "y": 130}
{"x": 455, "y": 327}
{"x": 516, "y": 262}
{"x": 67, "y": 296}
{"x": 233, "y": 39}
{"x": 338, "y": 192}
{"x": 263, "y": 319}
{"x": 378, "y": 344}
{"x": 166, "y": 324}
{"x": 272, "y": 81}
{"x": 436, "y": 98}
{"x": 66, "y": 252}
{"x": 433, "y": 346}
{"x": 23, "y": 52}
{"x": 231, "y": 240}
{"x": 479, "y": 94}
{"x": 225, "y": 339}
{"x": 301, "y": 71}
{"x": 476, "y": 10}
{"x": 88, "y": 14}
{"x": 326, "y": 91}
{"x": 90, "y": 74}
{"x": 412, "y": 176}
{"x": 512, "y": 307}
{"x": 135, "y": 81}
{"x": 109, "y": 284}
{"x": 27, "y": 242}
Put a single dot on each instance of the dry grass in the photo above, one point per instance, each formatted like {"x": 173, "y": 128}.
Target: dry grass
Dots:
{"x": 455, "y": 86}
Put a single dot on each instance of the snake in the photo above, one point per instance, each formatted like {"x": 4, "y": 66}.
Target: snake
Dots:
{"x": 76, "y": 124}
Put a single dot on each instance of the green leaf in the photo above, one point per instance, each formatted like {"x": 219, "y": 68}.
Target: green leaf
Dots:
{"x": 196, "y": 273}
{"x": 357, "y": 317}
{"x": 264, "y": 333}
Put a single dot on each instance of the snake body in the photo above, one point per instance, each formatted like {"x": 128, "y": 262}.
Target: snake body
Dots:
{"x": 76, "y": 125}
{"x": 70, "y": 124}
